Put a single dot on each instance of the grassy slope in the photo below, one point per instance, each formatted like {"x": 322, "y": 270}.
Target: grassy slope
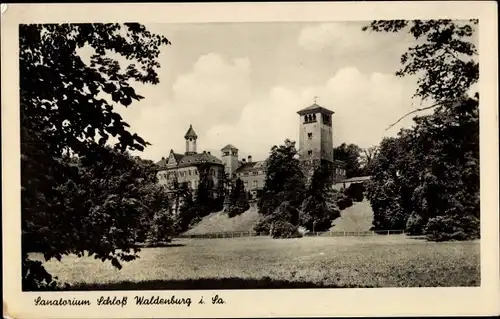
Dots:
{"x": 355, "y": 218}
{"x": 220, "y": 222}
{"x": 358, "y": 217}
{"x": 261, "y": 262}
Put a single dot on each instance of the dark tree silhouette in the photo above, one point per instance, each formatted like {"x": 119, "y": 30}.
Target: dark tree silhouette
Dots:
{"x": 67, "y": 110}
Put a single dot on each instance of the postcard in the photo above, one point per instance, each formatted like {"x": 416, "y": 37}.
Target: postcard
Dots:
{"x": 250, "y": 159}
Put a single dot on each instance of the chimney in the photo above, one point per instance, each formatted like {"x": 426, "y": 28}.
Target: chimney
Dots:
{"x": 243, "y": 160}
{"x": 208, "y": 153}
{"x": 249, "y": 158}
{"x": 162, "y": 158}
{"x": 204, "y": 152}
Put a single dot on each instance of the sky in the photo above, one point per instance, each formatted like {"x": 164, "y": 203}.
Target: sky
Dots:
{"x": 242, "y": 84}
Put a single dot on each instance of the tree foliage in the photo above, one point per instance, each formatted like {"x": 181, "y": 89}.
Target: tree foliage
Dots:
{"x": 319, "y": 208}
{"x": 350, "y": 154}
{"x": 427, "y": 179}
{"x": 444, "y": 59}
{"x": 197, "y": 203}
{"x": 284, "y": 179}
{"x": 284, "y": 189}
{"x": 238, "y": 200}
{"x": 68, "y": 112}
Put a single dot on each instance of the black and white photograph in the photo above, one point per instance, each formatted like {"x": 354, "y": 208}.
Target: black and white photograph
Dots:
{"x": 224, "y": 156}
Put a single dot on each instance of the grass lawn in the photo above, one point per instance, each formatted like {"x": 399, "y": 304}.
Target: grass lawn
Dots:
{"x": 261, "y": 262}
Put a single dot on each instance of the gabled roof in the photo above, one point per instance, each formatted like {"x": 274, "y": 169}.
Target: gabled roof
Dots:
{"x": 229, "y": 147}
{"x": 196, "y": 159}
{"x": 190, "y": 160}
{"x": 315, "y": 108}
{"x": 250, "y": 166}
{"x": 177, "y": 156}
{"x": 190, "y": 133}
{"x": 162, "y": 162}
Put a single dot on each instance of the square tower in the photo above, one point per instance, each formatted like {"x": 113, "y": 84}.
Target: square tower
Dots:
{"x": 316, "y": 140}
{"x": 230, "y": 159}
{"x": 316, "y": 135}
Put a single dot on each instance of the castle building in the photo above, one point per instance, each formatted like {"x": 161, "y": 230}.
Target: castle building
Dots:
{"x": 252, "y": 174}
{"x": 315, "y": 151}
{"x": 180, "y": 168}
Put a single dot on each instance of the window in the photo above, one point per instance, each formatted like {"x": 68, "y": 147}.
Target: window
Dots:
{"x": 255, "y": 173}
{"x": 245, "y": 174}
{"x": 226, "y": 153}
{"x": 310, "y": 118}
{"x": 310, "y": 136}
{"x": 254, "y": 183}
{"x": 327, "y": 119}
{"x": 246, "y": 184}
{"x": 189, "y": 172}
{"x": 309, "y": 153}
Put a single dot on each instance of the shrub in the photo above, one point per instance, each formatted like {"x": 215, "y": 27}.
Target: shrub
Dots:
{"x": 355, "y": 192}
{"x": 414, "y": 224}
{"x": 235, "y": 210}
{"x": 340, "y": 199}
{"x": 448, "y": 227}
{"x": 343, "y": 202}
{"x": 262, "y": 226}
{"x": 283, "y": 229}
{"x": 284, "y": 214}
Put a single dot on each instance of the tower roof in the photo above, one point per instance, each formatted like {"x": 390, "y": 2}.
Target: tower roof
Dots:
{"x": 315, "y": 108}
{"x": 229, "y": 147}
{"x": 190, "y": 133}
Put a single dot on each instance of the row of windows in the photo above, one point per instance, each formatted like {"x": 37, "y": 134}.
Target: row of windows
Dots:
{"x": 232, "y": 153}
{"x": 254, "y": 173}
{"x": 254, "y": 184}
{"x": 311, "y": 118}
{"x": 191, "y": 172}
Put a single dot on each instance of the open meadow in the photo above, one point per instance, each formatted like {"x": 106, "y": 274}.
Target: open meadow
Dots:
{"x": 262, "y": 262}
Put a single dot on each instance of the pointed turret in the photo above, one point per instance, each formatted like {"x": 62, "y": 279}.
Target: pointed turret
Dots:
{"x": 190, "y": 133}
{"x": 190, "y": 138}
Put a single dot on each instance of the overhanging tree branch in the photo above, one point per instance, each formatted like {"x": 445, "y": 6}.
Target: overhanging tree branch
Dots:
{"x": 409, "y": 113}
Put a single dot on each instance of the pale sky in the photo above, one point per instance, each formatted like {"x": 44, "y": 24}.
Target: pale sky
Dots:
{"x": 242, "y": 84}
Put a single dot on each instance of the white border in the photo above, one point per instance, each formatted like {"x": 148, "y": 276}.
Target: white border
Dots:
{"x": 255, "y": 303}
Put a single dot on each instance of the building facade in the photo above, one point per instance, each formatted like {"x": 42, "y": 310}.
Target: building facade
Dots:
{"x": 178, "y": 168}
{"x": 253, "y": 175}
{"x": 315, "y": 151}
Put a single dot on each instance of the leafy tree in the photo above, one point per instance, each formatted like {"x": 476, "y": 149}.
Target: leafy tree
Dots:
{"x": 205, "y": 200}
{"x": 283, "y": 222}
{"x": 238, "y": 201}
{"x": 108, "y": 194}
{"x": 284, "y": 190}
{"x": 355, "y": 192}
{"x": 186, "y": 208}
{"x": 432, "y": 186}
{"x": 284, "y": 179}
{"x": 350, "y": 154}
{"x": 316, "y": 213}
{"x": 66, "y": 109}
{"x": 223, "y": 189}
{"x": 366, "y": 160}
{"x": 444, "y": 58}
